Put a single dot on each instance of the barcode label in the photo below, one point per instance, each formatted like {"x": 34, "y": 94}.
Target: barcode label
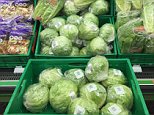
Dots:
{"x": 114, "y": 109}
{"x": 54, "y": 44}
{"x": 89, "y": 68}
{"x": 119, "y": 90}
{"x": 117, "y": 72}
{"x": 72, "y": 95}
{"x": 79, "y": 110}
{"x": 91, "y": 87}
{"x": 78, "y": 74}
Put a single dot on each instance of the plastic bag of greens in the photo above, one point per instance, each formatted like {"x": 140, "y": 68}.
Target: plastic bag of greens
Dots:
{"x": 56, "y": 23}
{"x": 114, "y": 109}
{"x": 50, "y": 76}
{"x": 107, "y": 32}
{"x": 123, "y": 5}
{"x": 77, "y": 76}
{"x": 99, "y": 7}
{"x": 124, "y": 17}
{"x": 148, "y": 17}
{"x": 131, "y": 36}
{"x": 120, "y": 94}
{"x": 47, "y": 35}
{"x": 36, "y": 98}
{"x": 97, "y": 69}
{"x": 46, "y": 50}
{"x": 91, "y": 17}
{"x": 74, "y": 19}
{"x": 137, "y": 4}
{"x": 95, "y": 92}
{"x": 62, "y": 94}
{"x": 46, "y": 10}
{"x": 115, "y": 76}
{"x": 149, "y": 44}
{"x": 70, "y": 8}
{"x": 82, "y": 4}
{"x": 70, "y": 31}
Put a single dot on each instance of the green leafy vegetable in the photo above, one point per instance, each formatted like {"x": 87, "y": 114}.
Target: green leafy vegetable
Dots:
{"x": 99, "y": 7}
{"x": 120, "y": 94}
{"x": 62, "y": 94}
{"x": 97, "y": 69}
{"x": 94, "y": 92}
{"x": 83, "y": 51}
{"x": 123, "y": 5}
{"x": 36, "y": 98}
{"x": 91, "y": 17}
{"x": 82, "y": 106}
{"x": 74, "y": 19}
{"x": 75, "y": 51}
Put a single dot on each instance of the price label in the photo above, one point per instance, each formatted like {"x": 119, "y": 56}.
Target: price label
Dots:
{"x": 78, "y": 74}
{"x": 89, "y": 68}
{"x": 19, "y": 69}
{"x": 119, "y": 90}
{"x": 137, "y": 68}
{"x": 54, "y": 44}
{"x": 91, "y": 87}
{"x": 79, "y": 110}
{"x": 114, "y": 109}
{"x": 72, "y": 95}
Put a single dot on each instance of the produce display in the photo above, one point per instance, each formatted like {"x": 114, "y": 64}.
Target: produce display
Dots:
{"x": 76, "y": 27}
{"x": 135, "y": 26}
{"x": 15, "y": 26}
{"x": 73, "y": 91}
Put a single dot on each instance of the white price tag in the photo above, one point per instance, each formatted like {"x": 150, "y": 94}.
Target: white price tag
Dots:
{"x": 89, "y": 68}
{"x": 79, "y": 110}
{"x": 137, "y": 68}
{"x": 117, "y": 72}
{"x": 119, "y": 90}
{"x": 91, "y": 87}
{"x": 19, "y": 69}
{"x": 114, "y": 109}
{"x": 54, "y": 44}
{"x": 58, "y": 24}
{"x": 78, "y": 74}
{"x": 72, "y": 95}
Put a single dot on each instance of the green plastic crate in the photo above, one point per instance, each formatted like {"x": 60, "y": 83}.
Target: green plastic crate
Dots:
{"x": 102, "y": 20}
{"x": 35, "y": 66}
{"x": 20, "y": 58}
{"x": 136, "y": 58}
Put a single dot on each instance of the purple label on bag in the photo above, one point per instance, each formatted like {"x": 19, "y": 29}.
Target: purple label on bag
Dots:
{"x": 22, "y": 3}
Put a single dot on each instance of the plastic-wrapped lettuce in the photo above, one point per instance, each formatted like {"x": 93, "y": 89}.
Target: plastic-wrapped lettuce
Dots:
{"x": 131, "y": 36}
{"x": 46, "y": 10}
{"x": 95, "y": 92}
{"x": 91, "y": 17}
{"x": 36, "y": 98}
{"x": 50, "y": 76}
{"x": 45, "y": 50}
{"x": 99, "y": 7}
{"x": 149, "y": 44}
{"x": 114, "y": 109}
{"x": 69, "y": 8}
{"x": 74, "y": 19}
{"x": 107, "y": 32}
{"x": 97, "y": 69}
{"x": 70, "y": 31}
{"x": 115, "y": 76}
{"x": 97, "y": 46}
{"x": 61, "y": 46}
{"x": 75, "y": 51}
{"x": 88, "y": 30}
{"x": 124, "y": 17}
{"x": 62, "y": 94}
{"x": 82, "y": 4}
{"x": 77, "y": 76}
{"x": 123, "y": 5}
{"x": 83, "y": 51}
{"x": 148, "y": 16}
{"x": 137, "y": 4}
{"x": 56, "y": 23}
{"x": 83, "y": 106}
{"x": 47, "y": 35}
{"x": 120, "y": 94}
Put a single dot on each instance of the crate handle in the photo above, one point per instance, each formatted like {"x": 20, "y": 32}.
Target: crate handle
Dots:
{"x": 22, "y": 88}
